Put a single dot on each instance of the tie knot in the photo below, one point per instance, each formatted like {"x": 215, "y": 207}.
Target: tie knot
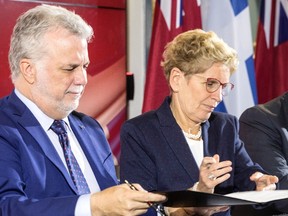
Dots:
{"x": 58, "y": 127}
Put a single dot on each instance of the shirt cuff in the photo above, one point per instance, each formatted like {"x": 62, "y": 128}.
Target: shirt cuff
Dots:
{"x": 83, "y": 206}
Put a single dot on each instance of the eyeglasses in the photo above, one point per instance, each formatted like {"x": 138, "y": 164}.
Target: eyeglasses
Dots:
{"x": 213, "y": 85}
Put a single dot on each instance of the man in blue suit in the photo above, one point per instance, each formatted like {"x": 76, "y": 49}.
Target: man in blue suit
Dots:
{"x": 48, "y": 60}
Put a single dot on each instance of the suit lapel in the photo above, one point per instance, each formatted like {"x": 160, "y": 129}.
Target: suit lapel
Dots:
{"x": 94, "y": 156}
{"x": 177, "y": 141}
{"x": 27, "y": 121}
{"x": 32, "y": 126}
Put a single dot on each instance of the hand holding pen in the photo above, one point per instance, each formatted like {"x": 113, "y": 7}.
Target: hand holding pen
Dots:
{"x": 121, "y": 200}
{"x": 158, "y": 208}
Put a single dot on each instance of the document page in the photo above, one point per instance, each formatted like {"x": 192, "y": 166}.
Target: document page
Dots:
{"x": 260, "y": 196}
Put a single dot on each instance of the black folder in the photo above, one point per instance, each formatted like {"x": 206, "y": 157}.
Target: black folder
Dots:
{"x": 188, "y": 198}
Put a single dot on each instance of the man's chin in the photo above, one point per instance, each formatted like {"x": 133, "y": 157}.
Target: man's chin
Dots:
{"x": 70, "y": 107}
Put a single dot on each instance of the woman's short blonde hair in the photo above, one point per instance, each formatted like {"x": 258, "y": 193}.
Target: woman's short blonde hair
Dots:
{"x": 195, "y": 51}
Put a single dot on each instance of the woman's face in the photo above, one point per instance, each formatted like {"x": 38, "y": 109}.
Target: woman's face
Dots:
{"x": 194, "y": 101}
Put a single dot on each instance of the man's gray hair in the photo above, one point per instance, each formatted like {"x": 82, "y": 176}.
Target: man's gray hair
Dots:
{"x": 27, "y": 37}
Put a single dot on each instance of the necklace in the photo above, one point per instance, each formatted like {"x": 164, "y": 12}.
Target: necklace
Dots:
{"x": 193, "y": 136}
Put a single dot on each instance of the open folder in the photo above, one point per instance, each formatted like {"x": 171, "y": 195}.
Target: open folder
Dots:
{"x": 199, "y": 199}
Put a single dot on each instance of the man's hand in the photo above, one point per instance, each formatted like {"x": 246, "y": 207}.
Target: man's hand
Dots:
{"x": 121, "y": 200}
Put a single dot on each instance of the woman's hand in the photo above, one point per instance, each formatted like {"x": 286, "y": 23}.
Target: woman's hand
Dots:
{"x": 264, "y": 182}
{"x": 212, "y": 173}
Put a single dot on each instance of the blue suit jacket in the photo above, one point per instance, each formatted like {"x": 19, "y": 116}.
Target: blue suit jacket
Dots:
{"x": 155, "y": 154}
{"x": 33, "y": 179}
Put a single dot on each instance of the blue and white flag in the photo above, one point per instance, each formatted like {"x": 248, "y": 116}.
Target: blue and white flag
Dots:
{"x": 230, "y": 20}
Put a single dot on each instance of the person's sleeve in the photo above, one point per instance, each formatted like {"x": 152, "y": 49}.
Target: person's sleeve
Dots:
{"x": 244, "y": 165}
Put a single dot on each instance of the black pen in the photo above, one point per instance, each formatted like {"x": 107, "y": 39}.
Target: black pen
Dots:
{"x": 154, "y": 206}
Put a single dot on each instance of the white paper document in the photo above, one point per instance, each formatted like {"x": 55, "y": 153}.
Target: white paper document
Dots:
{"x": 260, "y": 196}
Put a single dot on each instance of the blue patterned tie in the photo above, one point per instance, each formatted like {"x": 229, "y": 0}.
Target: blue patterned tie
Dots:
{"x": 76, "y": 174}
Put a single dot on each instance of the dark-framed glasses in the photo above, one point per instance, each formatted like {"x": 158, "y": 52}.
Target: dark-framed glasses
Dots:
{"x": 213, "y": 85}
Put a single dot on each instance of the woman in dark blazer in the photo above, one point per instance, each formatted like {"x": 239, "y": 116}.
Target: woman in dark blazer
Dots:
{"x": 184, "y": 144}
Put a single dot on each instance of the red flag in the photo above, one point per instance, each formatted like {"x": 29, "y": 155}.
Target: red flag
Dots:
{"x": 271, "y": 54}
{"x": 170, "y": 19}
